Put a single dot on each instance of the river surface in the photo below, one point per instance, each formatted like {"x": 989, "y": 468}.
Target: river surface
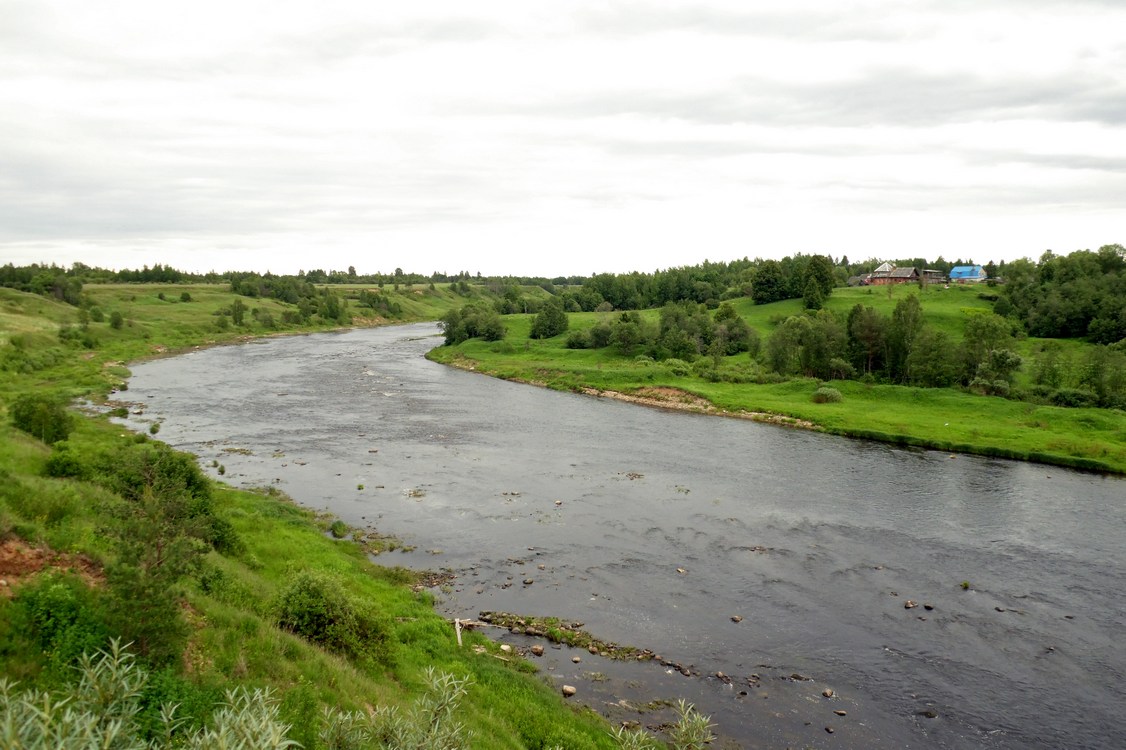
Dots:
{"x": 657, "y": 528}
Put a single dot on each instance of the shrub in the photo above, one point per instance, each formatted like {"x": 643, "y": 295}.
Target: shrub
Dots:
{"x": 827, "y": 395}
{"x": 64, "y": 462}
{"x": 104, "y": 709}
{"x": 841, "y": 369}
{"x": 316, "y": 607}
{"x": 116, "y": 320}
{"x": 600, "y": 335}
{"x": 678, "y": 367}
{"x": 429, "y": 723}
{"x": 578, "y": 340}
{"x": 1074, "y": 398}
{"x": 550, "y": 321}
{"x": 42, "y": 416}
{"x": 60, "y": 614}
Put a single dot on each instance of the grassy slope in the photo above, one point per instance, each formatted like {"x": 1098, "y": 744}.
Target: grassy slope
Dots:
{"x": 945, "y": 419}
{"x": 234, "y": 639}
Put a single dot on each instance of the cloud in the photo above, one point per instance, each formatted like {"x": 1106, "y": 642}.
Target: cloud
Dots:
{"x": 502, "y": 125}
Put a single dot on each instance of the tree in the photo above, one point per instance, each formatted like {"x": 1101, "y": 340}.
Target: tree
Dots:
{"x": 769, "y": 283}
{"x": 550, "y": 321}
{"x": 238, "y": 312}
{"x": 822, "y": 341}
{"x": 867, "y": 334}
{"x": 627, "y": 333}
{"x": 1050, "y": 365}
{"x": 813, "y": 298}
{"x": 783, "y": 348}
{"x": 734, "y": 331}
{"x": 906, "y": 322}
{"x": 819, "y": 270}
{"x": 475, "y": 320}
{"x": 931, "y": 362}
{"x": 983, "y": 334}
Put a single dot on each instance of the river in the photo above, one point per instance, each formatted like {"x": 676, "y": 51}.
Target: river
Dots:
{"x": 660, "y": 529}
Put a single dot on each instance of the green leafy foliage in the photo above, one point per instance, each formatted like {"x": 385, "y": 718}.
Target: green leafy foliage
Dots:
{"x": 316, "y": 607}
{"x": 549, "y": 321}
{"x": 827, "y": 395}
{"x": 62, "y": 616}
{"x": 691, "y": 731}
{"x": 42, "y": 416}
{"x": 104, "y": 709}
{"x": 475, "y": 320}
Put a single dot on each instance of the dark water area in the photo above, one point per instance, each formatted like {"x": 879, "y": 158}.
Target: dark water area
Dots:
{"x": 656, "y": 528}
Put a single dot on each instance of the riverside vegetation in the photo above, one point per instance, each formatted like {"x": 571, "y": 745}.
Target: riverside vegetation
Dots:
{"x": 1032, "y": 369}
{"x": 144, "y": 605}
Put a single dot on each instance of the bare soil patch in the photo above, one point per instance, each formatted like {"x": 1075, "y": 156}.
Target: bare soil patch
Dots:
{"x": 19, "y": 561}
{"x": 673, "y": 398}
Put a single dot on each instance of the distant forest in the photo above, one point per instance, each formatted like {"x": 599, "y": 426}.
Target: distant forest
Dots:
{"x": 1079, "y": 295}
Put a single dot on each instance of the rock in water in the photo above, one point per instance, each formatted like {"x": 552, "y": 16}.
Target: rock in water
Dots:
{"x": 569, "y": 690}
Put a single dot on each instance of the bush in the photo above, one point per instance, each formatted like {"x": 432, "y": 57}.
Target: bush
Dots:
{"x": 42, "y": 416}
{"x": 600, "y": 335}
{"x": 105, "y": 709}
{"x": 315, "y": 607}
{"x": 1074, "y": 398}
{"x": 550, "y": 321}
{"x": 986, "y": 387}
{"x": 59, "y": 614}
{"x": 678, "y": 367}
{"x": 578, "y": 340}
{"x": 64, "y": 462}
{"x": 827, "y": 395}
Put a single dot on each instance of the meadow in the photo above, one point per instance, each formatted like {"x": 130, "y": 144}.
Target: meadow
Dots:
{"x": 947, "y": 419}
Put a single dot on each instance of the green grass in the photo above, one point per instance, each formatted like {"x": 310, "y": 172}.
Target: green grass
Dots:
{"x": 941, "y": 418}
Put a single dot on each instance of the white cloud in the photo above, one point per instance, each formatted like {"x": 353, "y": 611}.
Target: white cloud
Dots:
{"x": 556, "y": 138}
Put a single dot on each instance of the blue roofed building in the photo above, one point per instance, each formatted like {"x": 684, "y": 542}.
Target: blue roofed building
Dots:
{"x": 967, "y": 274}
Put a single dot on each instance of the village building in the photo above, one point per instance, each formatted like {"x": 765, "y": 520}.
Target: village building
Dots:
{"x": 967, "y": 275}
{"x": 886, "y": 274}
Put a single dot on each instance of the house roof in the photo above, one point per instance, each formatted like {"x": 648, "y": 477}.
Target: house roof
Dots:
{"x": 903, "y": 273}
{"x": 967, "y": 272}
{"x": 884, "y": 268}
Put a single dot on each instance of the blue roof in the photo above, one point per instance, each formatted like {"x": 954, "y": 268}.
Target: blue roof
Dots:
{"x": 966, "y": 272}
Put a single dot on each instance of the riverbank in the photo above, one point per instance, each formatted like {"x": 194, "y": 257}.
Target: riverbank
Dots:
{"x": 943, "y": 419}
{"x": 221, "y": 629}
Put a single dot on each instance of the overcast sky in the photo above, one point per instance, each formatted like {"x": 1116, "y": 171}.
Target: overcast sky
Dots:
{"x": 549, "y": 138}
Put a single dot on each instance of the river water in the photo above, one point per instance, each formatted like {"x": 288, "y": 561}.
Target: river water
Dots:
{"x": 657, "y": 528}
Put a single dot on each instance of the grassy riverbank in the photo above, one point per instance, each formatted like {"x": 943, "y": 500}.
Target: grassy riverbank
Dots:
{"x": 945, "y": 419}
{"x": 80, "y": 523}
